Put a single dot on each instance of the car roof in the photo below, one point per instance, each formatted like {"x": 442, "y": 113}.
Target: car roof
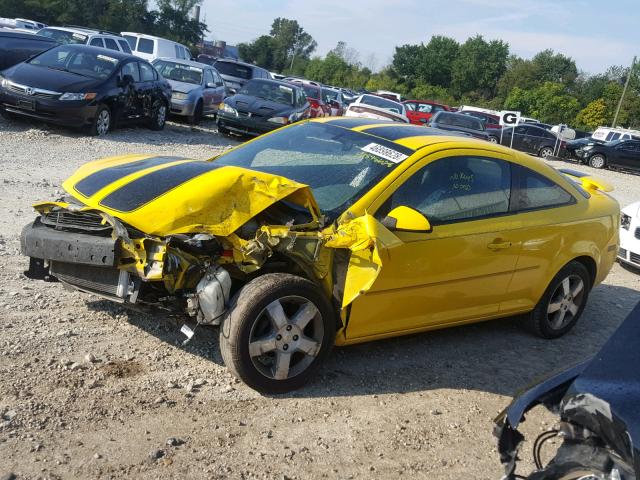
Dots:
{"x": 275, "y": 82}
{"x": 85, "y": 31}
{"x": 103, "y": 51}
{"x": 189, "y": 63}
{"x": 10, "y": 32}
{"x": 231, "y": 60}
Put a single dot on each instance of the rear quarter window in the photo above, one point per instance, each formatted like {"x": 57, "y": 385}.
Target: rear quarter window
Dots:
{"x": 535, "y": 191}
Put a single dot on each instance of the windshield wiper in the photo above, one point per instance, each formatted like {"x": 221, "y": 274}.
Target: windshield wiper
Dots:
{"x": 63, "y": 69}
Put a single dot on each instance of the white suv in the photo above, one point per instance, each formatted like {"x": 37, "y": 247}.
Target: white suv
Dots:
{"x": 87, "y": 36}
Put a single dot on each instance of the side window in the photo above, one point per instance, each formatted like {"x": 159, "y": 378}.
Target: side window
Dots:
{"x": 145, "y": 45}
{"x": 111, "y": 44}
{"x": 131, "y": 68}
{"x": 177, "y": 51}
{"x": 208, "y": 77}
{"x": 124, "y": 45}
{"x": 410, "y": 106}
{"x": 520, "y": 130}
{"x": 456, "y": 188}
{"x": 96, "y": 42}
{"x": 146, "y": 72}
{"x": 533, "y": 191}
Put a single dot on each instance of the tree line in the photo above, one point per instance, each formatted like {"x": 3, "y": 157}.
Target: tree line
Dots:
{"x": 169, "y": 19}
{"x": 477, "y": 72}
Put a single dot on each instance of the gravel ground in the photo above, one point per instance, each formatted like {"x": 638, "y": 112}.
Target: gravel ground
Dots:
{"x": 90, "y": 390}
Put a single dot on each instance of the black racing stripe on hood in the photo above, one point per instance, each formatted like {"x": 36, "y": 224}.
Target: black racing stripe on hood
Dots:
{"x": 151, "y": 186}
{"x": 96, "y": 181}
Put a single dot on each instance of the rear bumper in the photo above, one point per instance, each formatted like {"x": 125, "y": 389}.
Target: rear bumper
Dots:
{"x": 70, "y": 114}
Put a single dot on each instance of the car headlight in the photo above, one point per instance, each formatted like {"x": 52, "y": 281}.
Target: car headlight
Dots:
{"x": 625, "y": 221}
{"x": 69, "y": 96}
{"x": 4, "y": 83}
{"x": 179, "y": 96}
{"x": 229, "y": 109}
{"x": 280, "y": 120}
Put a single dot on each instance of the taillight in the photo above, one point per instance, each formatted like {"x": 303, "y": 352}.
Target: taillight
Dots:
{"x": 313, "y": 102}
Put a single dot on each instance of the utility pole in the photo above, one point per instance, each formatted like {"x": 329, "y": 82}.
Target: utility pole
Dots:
{"x": 624, "y": 91}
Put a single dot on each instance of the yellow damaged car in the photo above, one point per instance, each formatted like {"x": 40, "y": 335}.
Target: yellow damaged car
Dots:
{"x": 333, "y": 231}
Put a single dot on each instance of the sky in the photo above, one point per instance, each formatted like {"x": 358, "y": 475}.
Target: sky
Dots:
{"x": 594, "y": 33}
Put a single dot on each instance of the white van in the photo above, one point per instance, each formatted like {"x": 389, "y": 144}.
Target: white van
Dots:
{"x": 150, "y": 47}
{"x": 607, "y": 134}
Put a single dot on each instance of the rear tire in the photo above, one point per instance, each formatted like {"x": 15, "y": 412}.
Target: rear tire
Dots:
{"x": 545, "y": 152}
{"x": 598, "y": 161}
{"x": 493, "y": 139}
{"x": 562, "y": 303}
{"x": 158, "y": 115}
{"x": 279, "y": 330}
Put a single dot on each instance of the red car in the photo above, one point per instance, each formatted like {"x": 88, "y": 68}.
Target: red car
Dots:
{"x": 419, "y": 112}
{"x": 319, "y": 108}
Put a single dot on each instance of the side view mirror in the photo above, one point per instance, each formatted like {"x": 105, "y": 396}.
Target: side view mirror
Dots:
{"x": 126, "y": 80}
{"x": 406, "y": 219}
{"x": 232, "y": 91}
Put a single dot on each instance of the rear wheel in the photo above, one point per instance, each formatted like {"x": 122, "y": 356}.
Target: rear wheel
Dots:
{"x": 597, "y": 161}
{"x": 158, "y": 115}
{"x": 545, "y": 152}
{"x": 279, "y": 330}
{"x": 197, "y": 114}
{"x": 493, "y": 139}
{"x": 562, "y": 303}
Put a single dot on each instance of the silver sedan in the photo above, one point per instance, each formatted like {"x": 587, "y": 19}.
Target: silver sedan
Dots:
{"x": 197, "y": 88}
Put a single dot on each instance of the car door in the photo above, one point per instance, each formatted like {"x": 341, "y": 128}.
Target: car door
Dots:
{"x": 461, "y": 269}
{"x": 146, "y": 87}
{"x": 111, "y": 44}
{"x": 97, "y": 42}
{"x": 519, "y": 138}
{"x": 130, "y": 104}
{"x": 627, "y": 155}
{"x": 209, "y": 96}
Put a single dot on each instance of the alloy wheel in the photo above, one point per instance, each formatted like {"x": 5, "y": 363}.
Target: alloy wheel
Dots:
{"x": 546, "y": 152}
{"x": 103, "y": 122}
{"x": 597, "y": 161}
{"x": 565, "y": 302}
{"x": 161, "y": 115}
{"x": 493, "y": 139}
{"x": 286, "y": 337}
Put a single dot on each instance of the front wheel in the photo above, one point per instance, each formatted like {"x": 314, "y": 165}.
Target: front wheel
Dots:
{"x": 545, "y": 152}
{"x": 101, "y": 123}
{"x": 279, "y": 330}
{"x": 158, "y": 115}
{"x": 197, "y": 114}
{"x": 493, "y": 139}
{"x": 562, "y": 303}
{"x": 597, "y": 161}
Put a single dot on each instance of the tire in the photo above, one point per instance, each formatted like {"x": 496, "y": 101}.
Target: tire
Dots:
{"x": 158, "y": 115}
{"x": 222, "y": 130}
{"x": 545, "y": 152}
{"x": 597, "y": 161}
{"x": 493, "y": 139}
{"x": 197, "y": 114}
{"x": 102, "y": 122}
{"x": 279, "y": 330}
{"x": 561, "y": 304}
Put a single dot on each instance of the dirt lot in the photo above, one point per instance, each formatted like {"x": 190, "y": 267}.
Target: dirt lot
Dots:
{"x": 89, "y": 390}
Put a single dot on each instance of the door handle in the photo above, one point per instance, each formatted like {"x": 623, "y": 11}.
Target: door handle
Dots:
{"x": 499, "y": 246}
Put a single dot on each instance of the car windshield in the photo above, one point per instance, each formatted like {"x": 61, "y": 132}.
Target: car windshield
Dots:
{"x": 339, "y": 165}
{"x": 273, "y": 92}
{"x": 80, "y": 62}
{"x": 63, "y": 36}
{"x": 381, "y": 103}
{"x": 179, "y": 72}
{"x": 234, "y": 70}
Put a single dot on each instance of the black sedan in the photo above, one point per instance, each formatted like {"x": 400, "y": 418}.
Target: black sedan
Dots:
{"x": 622, "y": 154}
{"x": 82, "y": 86}
{"x": 458, "y": 122}
{"x": 534, "y": 140}
{"x": 261, "y": 106}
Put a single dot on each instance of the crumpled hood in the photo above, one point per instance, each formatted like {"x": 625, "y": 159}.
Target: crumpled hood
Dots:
{"x": 163, "y": 195}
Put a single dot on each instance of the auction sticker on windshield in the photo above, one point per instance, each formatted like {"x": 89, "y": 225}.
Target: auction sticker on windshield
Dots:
{"x": 384, "y": 152}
